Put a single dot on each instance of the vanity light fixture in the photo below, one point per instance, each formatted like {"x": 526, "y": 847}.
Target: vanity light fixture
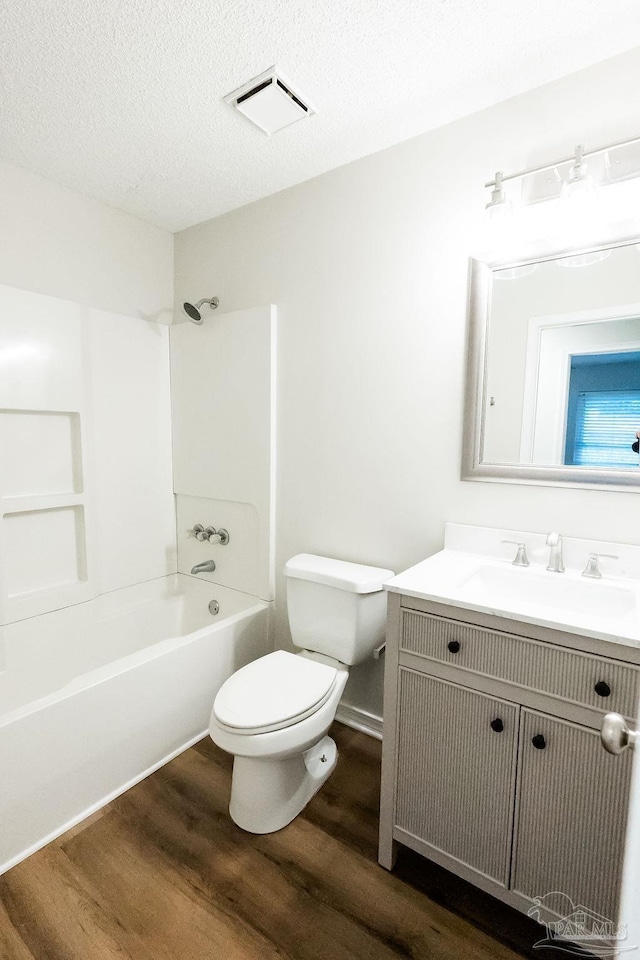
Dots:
{"x": 580, "y": 185}
{"x": 498, "y": 216}
{"x": 577, "y": 159}
{"x": 579, "y": 210}
{"x": 580, "y": 206}
{"x": 499, "y": 207}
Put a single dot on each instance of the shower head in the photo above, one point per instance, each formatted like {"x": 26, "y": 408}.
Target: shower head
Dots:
{"x": 193, "y": 312}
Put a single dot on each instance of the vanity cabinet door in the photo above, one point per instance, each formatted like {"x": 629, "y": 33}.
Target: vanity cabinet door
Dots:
{"x": 456, "y": 771}
{"x": 571, "y": 814}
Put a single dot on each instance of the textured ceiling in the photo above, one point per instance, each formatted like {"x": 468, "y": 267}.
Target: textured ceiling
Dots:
{"x": 122, "y": 99}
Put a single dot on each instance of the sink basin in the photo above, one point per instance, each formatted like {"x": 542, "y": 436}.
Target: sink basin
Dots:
{"x": 520, "y": 587}
{"x": 474, "y": 571}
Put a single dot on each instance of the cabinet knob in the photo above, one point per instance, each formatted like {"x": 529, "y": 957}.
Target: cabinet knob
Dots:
{"x": 602, "y": 689}
{"x": 453, "y": 646}
{"x": 539, "y": 741}
{"x": 497, "y": 725}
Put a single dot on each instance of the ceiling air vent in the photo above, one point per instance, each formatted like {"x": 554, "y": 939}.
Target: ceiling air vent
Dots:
{"x": 269, "y": 102}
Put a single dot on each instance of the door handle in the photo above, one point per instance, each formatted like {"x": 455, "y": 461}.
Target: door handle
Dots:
{"x": 616, "y": 735}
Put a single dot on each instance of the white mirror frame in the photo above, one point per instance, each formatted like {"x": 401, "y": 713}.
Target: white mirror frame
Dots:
{"x": 473, "y": 468}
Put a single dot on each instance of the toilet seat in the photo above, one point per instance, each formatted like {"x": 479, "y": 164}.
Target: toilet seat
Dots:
{"x": 274, "y": 692}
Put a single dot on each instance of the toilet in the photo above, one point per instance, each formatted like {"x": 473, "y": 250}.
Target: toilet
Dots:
{"x": 273, "y": 714}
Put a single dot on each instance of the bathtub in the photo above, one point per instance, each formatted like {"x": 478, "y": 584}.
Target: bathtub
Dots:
{"x": 96, "y": 696}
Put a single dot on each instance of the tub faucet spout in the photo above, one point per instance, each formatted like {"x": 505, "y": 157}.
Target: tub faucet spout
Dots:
{"x": 207, "y": 566}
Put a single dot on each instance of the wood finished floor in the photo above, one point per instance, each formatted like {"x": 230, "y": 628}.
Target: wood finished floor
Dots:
{"x": 163, "y": 874}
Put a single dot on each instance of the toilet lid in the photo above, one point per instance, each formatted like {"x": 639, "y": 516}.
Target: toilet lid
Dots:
{"x": 273, "y": 692}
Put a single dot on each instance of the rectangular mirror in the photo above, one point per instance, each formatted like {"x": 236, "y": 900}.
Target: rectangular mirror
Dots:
{"x": 553, "y": 390}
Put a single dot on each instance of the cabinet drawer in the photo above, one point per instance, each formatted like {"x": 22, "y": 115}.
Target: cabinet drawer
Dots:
{"x": 556, "y": 671}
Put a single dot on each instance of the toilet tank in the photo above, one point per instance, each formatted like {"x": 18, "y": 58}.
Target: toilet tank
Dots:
{"x": 336, "y": 608}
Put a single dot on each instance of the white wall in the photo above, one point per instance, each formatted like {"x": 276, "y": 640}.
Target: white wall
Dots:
{"x": 59, "y": 242}
{"x": 368, "y": 266}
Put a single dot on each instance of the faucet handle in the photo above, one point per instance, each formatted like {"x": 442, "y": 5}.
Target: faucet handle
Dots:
{"x": 220, "y": 536}
{"x": 211, "y": 534}
{"x": 521, "y": 560}
{"x": 592, "y": 568}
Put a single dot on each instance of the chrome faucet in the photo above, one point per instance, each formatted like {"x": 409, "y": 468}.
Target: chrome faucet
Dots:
{"x": 207, "y": 566}
{"x": 521, "y": 560}
{"x": 592, "y": 569}
{"x": 555, "y": 565}
{"x": 220, "y": 536}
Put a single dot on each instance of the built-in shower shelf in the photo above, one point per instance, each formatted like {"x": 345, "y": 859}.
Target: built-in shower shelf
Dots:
{"x": 42, "y": 512}
{"x": 41, "y": 453}
{"x": 46, "y": 556}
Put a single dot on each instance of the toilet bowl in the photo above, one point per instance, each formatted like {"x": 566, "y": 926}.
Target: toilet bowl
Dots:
{"x": 274, "y": 714}
{"x": 277, "y": 771}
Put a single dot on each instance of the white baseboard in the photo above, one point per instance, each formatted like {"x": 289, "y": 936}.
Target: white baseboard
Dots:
{"x": 352, "y": 717}
{"x": 360, "y": 720}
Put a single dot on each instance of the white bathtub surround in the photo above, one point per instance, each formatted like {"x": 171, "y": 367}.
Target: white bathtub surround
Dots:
{"x": 108, "y": 667}
{"x": 100, "y": 694}
{"x": 238, "y": 561}
{"x": 46, "y": 529}
{"x": 131, "y": 450}
{"x": 85, "y": 495}
{"x": 223, "y": 377}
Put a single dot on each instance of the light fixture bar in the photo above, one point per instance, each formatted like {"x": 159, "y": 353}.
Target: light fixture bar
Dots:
{"x": 558, "y": 163}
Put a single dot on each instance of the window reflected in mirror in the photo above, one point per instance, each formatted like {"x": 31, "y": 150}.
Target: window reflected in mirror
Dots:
{"x": 603, "y": 410}
{"x": 562, "y": 375}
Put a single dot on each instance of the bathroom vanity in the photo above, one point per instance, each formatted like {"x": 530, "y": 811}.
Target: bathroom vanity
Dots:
{"x": 497, "y": 682}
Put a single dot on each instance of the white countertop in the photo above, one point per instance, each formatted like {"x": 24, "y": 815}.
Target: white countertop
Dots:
{"x": 475, "y": 572}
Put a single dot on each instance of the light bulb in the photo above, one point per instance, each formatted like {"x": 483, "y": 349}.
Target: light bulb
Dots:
{"x": 579, "y": 190}
{"x": 499, "y": 206}
{"x": 579, "y": 207}
{"x": 498, "y": 224}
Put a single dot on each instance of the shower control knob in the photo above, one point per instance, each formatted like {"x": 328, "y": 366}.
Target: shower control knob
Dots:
{"x": 220, "y": 536}
{"x": 199, "y": 532}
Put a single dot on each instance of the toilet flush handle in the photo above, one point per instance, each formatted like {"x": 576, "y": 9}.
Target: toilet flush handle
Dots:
{"x": 377, "y": 653}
